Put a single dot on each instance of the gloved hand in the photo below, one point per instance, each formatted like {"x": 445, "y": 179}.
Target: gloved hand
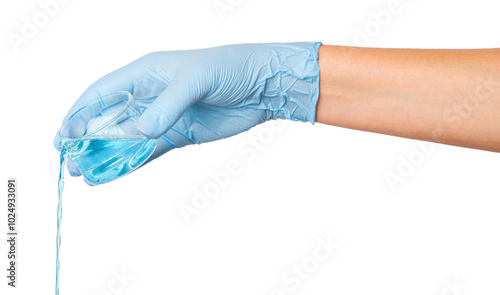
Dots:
{"x": 203, "y": 95}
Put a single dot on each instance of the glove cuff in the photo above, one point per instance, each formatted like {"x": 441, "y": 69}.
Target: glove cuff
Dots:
{"x": 292, "y": 91}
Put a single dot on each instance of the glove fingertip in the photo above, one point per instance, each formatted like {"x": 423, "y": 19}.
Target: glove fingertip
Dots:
{"x": 57, "y": 142}
{"x": 153, "y": 123}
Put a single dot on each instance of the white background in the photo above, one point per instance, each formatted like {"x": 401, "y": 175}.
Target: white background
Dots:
{"x": 437, "y": 229}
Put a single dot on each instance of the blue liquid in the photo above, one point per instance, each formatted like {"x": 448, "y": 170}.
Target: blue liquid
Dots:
{"x": 59, "y": 214}
{"x": 102, "y": 159}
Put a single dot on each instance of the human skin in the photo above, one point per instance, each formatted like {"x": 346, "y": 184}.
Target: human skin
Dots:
{"x": 447, "y": 96}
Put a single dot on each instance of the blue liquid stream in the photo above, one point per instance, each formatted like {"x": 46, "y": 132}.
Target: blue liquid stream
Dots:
{"x": 100, "y": 160}
{"x": 59, "y": 214}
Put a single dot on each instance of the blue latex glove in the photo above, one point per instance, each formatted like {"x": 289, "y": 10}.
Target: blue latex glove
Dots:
{"x": 203, "y": 95}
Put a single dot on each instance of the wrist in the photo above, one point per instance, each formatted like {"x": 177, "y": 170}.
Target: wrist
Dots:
{"x": 335, "y": 94}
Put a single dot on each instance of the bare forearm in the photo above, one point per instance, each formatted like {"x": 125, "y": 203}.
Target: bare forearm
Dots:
{"x": 446, "y": 96}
